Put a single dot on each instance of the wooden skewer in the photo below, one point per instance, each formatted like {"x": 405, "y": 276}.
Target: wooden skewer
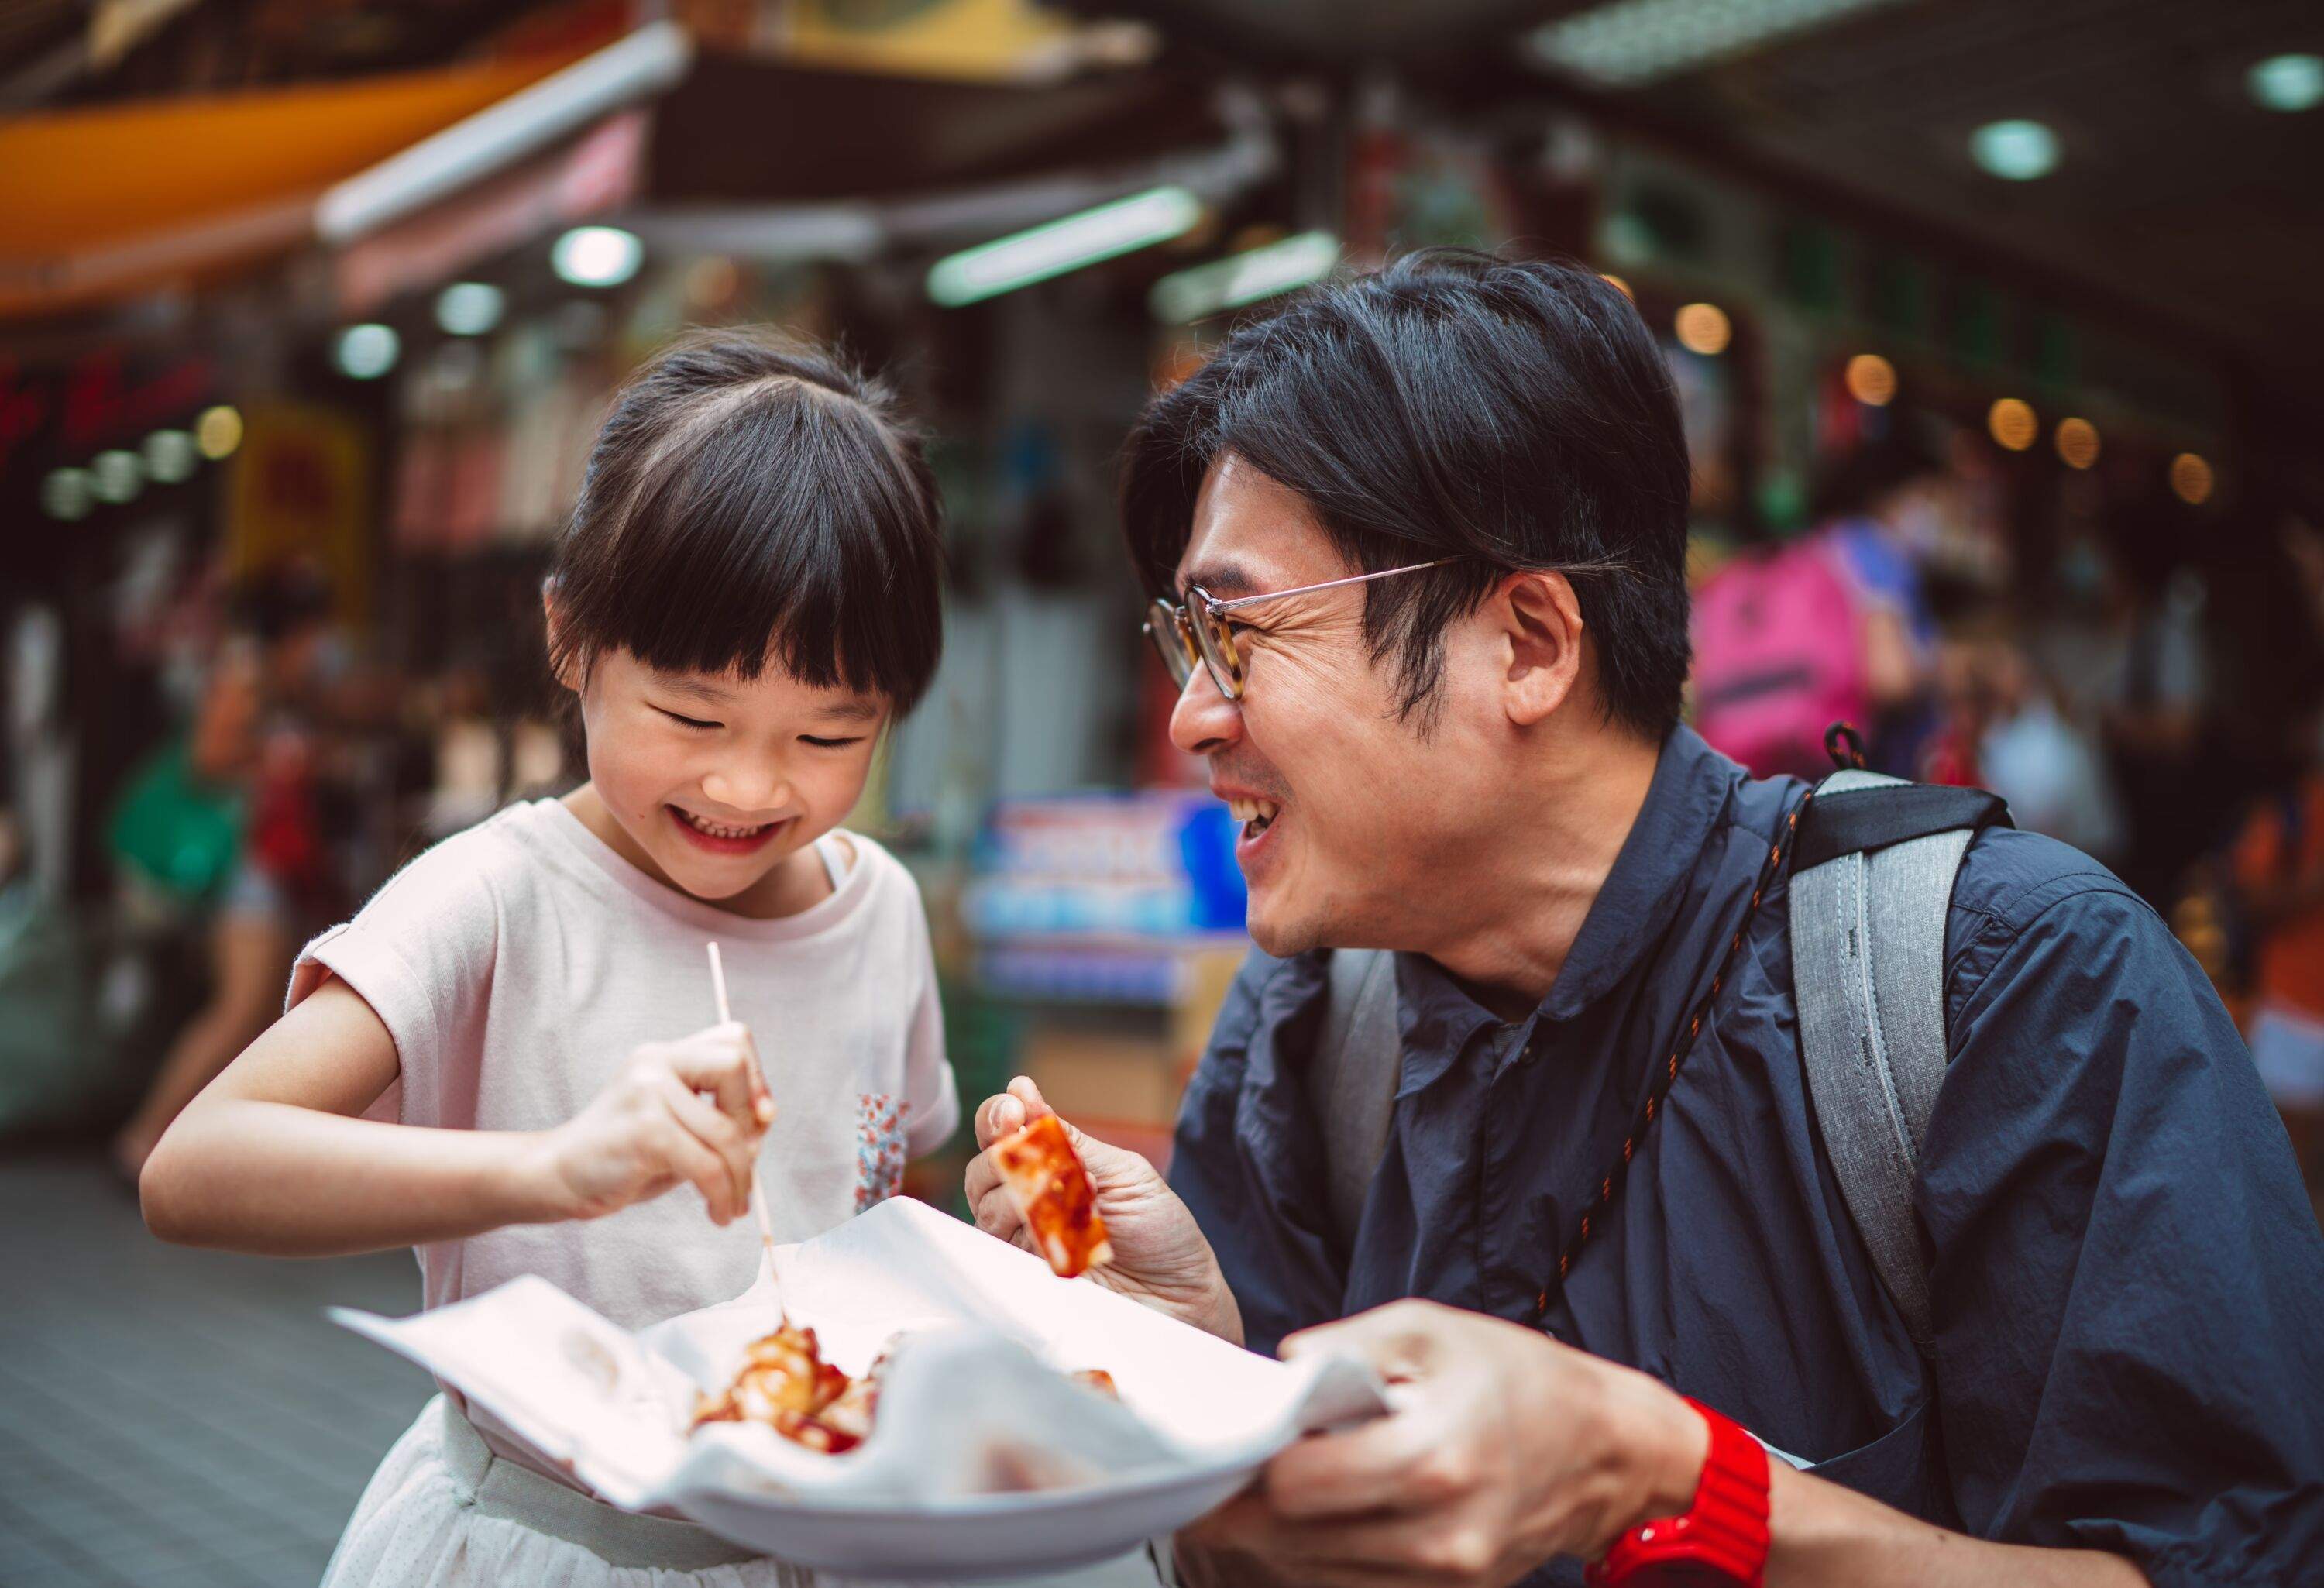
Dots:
{"x": 758, "y": 1195}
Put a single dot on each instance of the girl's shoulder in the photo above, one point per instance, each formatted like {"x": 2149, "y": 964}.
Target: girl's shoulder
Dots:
{"x": 478, "y": 868}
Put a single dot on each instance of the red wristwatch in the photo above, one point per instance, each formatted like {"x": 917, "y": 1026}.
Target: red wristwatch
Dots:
{"x": 1722, "y": 1539}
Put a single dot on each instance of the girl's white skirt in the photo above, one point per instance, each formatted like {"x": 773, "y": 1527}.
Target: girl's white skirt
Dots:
{"x": 443, "y": 1511}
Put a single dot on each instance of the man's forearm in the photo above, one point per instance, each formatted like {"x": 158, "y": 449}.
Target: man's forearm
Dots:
{"x": 1825, "y": 1536}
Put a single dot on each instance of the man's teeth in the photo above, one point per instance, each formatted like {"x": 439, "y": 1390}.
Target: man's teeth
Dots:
{"x": 1255, "y": 813}
{"x": 719, "y": 830}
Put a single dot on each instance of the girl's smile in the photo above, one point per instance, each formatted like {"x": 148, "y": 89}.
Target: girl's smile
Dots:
{"x": 725, "y": 838}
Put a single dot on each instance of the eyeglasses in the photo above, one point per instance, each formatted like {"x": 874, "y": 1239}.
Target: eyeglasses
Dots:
{"x": 1199, "y": 630}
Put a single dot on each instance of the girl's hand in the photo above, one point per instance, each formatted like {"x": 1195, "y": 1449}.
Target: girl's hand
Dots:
{"x": 1159, "y": 1256}
{"x": 653, "y": 1127}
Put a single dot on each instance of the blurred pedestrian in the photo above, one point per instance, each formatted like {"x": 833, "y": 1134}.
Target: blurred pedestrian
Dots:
{"x": 260, "y": 886}
{"x": 1881, "y": 510}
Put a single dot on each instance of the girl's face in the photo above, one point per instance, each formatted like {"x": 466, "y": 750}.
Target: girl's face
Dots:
{"x": 718, "y": 780}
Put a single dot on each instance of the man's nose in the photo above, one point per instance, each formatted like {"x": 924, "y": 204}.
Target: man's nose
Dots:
{"x": 1204, "y": 720}
{"x": 747, "y": 786}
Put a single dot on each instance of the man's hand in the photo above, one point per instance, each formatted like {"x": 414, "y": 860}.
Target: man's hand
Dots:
{"x": 1159, "y": 1257}
{"x": 1506, "y": 1448}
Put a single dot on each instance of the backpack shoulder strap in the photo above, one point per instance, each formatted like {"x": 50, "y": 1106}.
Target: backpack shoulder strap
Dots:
{"x": 1872, "y": 883}
{"x": 1351, "y": 1080}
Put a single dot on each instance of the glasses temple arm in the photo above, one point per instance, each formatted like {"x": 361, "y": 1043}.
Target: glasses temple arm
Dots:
{"x": 1327, "y": 584}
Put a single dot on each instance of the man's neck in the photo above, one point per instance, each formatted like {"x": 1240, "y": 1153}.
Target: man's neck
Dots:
{"x": 1558, "y": 841}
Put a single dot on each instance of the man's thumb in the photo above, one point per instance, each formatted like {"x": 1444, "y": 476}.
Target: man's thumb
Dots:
{"x": 1384, "y": 1337}
{"x": 1024, "y": 1092}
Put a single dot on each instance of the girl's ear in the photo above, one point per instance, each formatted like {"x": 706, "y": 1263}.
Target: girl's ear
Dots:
{"x": 567, "y": 661}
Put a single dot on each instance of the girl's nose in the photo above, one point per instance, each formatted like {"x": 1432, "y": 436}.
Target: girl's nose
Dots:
{"x": 747, "y": 788}
{"x": 1204, "y": 721}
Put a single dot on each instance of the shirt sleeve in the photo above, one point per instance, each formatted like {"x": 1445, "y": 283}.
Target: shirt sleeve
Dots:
{"x": 1247, "y": 1165}
{"x": 420, "y": 953}
{"x": 928, "y": 1086}
{"x": 2128, "y": 1281}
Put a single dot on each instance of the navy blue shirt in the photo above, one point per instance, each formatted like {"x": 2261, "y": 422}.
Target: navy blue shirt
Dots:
{"x": 2128, "y": 1278}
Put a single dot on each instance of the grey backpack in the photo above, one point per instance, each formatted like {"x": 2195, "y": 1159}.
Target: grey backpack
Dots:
{"x": 1871, "y": 881}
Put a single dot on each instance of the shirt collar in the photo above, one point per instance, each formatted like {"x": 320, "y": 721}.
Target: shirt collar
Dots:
{"x": 1691, "y": 786}
{"x": 1633, "y": 908}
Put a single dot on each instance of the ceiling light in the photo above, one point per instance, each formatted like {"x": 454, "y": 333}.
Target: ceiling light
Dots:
{"x": 1628, "y": 42}
{"x": 117, "y": 475}
{"x": 2017, "y": 151}
{"x": 1871, "y": 379}
{"x": 1023, "y": 258}
{"x": 2013, "y": 424}
{"x": 366, "y": 352}
{"x": 1189, "y": 295}
{"x": 1702, "y": 328}
{"x": 2287, "y": 82}
{"x": 2077, "y": 442}
{"x": 169, "y": 455}
{"x": 217, "y": 432}
{"x": 68, "y": 493}
{"x": 469, "y": 308}
{"x": 596, "y": 256}
{"x": 2191, "y": 479}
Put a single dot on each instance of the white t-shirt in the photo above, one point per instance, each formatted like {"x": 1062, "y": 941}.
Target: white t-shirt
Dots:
{"x": 517, "y": 965}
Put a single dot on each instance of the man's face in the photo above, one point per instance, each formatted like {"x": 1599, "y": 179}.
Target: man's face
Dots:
{"x": 1365, "y": 812}
{"x": 715, "y": 779}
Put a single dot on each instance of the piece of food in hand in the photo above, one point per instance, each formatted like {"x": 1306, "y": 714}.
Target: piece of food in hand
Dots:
{"x": 1044, "y": 1178}
{"x": 784, "y": 1383}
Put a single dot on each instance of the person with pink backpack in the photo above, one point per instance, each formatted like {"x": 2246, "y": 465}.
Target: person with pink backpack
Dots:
{"x": 1779, "y": 656}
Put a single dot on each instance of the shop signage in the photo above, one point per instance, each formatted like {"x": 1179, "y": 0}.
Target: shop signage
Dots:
{"x": 61, "y": 413}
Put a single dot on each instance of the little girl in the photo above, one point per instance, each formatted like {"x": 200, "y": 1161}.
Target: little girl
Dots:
{"x": 490, "y": 1062}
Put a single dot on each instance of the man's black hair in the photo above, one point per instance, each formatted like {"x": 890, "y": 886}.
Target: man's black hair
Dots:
{"x": 1510, "y": 414}
{"x": 752, "y": 499}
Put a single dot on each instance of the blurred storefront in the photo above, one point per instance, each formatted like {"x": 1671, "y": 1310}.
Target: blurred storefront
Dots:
{"x": 356, "y": 322}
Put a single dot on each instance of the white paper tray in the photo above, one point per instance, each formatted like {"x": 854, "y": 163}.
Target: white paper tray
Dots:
{"x": 972, "y": 1408}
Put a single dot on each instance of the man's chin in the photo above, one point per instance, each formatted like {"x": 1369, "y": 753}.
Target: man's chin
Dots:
{"x": 1279, "y": 936}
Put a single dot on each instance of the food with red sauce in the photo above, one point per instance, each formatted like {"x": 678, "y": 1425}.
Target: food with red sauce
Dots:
{"x": 1045, "y": 1179}
{"x": 784, "y": 1383}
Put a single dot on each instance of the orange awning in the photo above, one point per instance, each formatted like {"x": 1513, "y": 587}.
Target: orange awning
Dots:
{"x": 97, "y": 202}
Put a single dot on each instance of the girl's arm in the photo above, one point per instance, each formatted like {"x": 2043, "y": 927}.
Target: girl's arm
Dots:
{"x": 271, "y": 1158}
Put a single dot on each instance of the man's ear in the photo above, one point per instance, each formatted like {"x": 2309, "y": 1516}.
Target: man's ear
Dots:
{"x": 1541, "y": 626}
{"x": 569, "y": 669}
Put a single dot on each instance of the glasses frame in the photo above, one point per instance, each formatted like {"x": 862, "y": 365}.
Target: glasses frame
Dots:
{"x": 1212, "y": 643}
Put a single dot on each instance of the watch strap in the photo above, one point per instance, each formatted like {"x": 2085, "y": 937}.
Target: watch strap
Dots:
{"x": 1721, "y": 1538}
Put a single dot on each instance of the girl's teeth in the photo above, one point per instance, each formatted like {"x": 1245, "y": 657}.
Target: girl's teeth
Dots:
{"x": 716, "y": 831}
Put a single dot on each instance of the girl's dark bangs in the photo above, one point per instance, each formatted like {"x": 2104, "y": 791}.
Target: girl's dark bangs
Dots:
{"x": 774, "y": 536}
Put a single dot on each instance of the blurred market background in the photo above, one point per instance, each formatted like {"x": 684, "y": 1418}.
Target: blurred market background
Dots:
{"x": 1996, "y": 329}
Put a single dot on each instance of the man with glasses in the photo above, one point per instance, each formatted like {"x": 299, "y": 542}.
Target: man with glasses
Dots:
{"x": 1418, "y": 546}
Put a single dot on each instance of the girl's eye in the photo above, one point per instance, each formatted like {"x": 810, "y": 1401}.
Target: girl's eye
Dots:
{"x": 828, "y": 743}
{"x": 684, "y": 721}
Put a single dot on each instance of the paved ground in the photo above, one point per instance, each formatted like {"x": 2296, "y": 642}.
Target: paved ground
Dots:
{"x": 173, "y": 1419}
